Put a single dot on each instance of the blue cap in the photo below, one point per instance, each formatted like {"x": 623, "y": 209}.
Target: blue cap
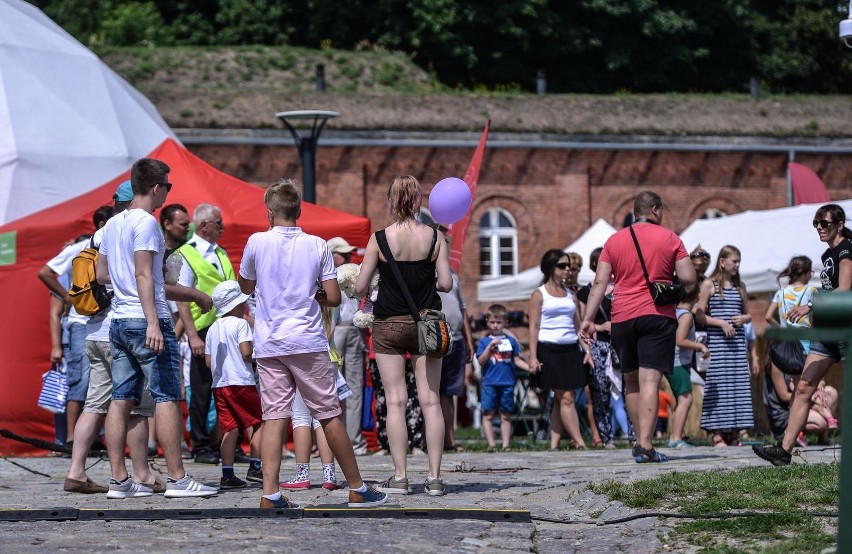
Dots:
{"x": 124, "y": 193}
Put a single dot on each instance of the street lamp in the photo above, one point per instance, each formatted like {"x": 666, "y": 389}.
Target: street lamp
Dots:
{"x": 307, "y": 144}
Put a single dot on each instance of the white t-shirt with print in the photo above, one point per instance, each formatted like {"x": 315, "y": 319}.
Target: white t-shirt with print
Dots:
{"x": 125, "y": 234}
{"x": 223, "y": 346}
{"x": 289, "y": 266}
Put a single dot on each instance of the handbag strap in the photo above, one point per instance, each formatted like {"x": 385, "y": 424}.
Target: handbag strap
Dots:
{"x": 641, "y": 258}
{"x": 382, "y": 240}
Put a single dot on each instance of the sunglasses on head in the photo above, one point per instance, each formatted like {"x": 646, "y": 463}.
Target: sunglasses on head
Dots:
{"x": 566, "y": 265}
{"x": 704, "y": 255}
{"x": 824, "y": 223}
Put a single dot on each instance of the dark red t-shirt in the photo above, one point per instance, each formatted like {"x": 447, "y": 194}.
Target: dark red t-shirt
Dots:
{"x": 661, "y": 248}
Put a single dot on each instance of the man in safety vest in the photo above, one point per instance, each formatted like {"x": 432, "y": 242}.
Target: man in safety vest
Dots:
{"x": 205, "y": 265}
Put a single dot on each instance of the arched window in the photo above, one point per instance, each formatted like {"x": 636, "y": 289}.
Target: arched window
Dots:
{"x": 712, "y": 213}
{"x": 498, "y": 244}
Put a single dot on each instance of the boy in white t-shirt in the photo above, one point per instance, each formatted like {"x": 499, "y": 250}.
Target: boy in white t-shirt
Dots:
{"x": 228, "y": 351}
{"x": 294, "y": 276}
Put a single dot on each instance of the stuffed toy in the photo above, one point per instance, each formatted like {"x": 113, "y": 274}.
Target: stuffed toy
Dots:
{"x": 347, "y": 274}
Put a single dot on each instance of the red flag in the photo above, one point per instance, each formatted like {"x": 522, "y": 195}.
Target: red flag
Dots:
{"x": 458, "y": 230}
{"x": 807, "y": 187}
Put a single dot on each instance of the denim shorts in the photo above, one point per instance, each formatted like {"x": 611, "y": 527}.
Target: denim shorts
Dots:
{"x": 834, "y": 350}
{"x": 492, "y": 395}
{"x": 77, "y": 369}
{"x": 133, "y": 362}
{"x": 100, "y": 382}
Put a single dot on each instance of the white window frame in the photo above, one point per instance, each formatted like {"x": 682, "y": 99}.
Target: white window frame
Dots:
{"x": 494, "y": 233}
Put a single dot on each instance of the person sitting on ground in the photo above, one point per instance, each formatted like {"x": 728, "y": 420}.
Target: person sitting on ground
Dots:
{"x": 498, "y": 354}
{"x": 228, "y": 354}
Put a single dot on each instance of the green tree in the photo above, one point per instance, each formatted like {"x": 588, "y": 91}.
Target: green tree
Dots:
{"x": 134, "y": 24}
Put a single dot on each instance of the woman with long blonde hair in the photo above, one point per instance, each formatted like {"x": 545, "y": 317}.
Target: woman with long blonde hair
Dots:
{"x": 723, "y": 308}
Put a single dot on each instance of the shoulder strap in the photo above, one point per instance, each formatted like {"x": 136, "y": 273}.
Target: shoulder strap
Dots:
{"x": 641, "y": 258}
{"x": 432, "y": 246}
{"x": 382, "y": 241}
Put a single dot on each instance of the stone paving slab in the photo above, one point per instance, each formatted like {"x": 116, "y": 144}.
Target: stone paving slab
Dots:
{"x": 551, "y": 485}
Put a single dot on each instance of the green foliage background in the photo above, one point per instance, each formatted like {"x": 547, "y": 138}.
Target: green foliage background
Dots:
{"x": 585, "y": 46}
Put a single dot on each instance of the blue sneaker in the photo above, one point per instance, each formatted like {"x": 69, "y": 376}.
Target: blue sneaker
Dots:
{"x": 680, "y": 444}
{"x": 282, "y": 503}
{"x": 642, "y": 456}
{"x": 366, "y": 499}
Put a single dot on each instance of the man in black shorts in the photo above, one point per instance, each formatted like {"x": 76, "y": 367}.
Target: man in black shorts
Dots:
{"x": 643, "y": 333}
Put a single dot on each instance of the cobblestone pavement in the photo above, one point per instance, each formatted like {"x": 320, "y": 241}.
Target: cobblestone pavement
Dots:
{"x": 551, "y": 485}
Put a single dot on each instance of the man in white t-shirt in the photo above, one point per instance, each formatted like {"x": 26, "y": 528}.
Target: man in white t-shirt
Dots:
{"x": 294, "y": 277}
{"x": 77, "y": 363}
{"x": 142, "y": 337}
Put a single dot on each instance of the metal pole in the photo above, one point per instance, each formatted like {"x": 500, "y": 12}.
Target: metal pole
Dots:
{"x": 844, "y": 524}
{"x": 791, "y": 157}
{"x": 307, "y": 155}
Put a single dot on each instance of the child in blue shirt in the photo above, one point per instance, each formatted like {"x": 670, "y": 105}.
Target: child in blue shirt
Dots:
{"x": 498, "y": 354}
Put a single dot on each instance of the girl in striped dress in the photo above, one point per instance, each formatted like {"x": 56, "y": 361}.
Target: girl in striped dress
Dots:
{"x": 722, "y": 307}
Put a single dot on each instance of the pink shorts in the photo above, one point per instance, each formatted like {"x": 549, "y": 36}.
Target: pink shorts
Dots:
{"x": 237, "y": 406}
{"x": 312, "y": 373}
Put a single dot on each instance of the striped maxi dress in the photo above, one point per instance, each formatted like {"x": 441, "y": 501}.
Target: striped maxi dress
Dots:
{"x": 727, "y": 388}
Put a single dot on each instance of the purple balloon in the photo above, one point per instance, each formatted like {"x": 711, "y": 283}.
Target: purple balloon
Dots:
{"x": 449, "y": 201}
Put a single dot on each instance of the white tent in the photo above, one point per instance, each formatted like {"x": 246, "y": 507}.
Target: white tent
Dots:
{"x": 68, "y": 123}
{"x": 766, "y": 238}
{"x": 520, "y": 286}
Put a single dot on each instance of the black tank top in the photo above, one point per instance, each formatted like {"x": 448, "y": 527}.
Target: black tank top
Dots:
{"x": 419, "y": 275}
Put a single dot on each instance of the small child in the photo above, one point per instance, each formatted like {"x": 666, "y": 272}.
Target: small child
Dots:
{"x": 228, "y": 351}
{"x": 680, "y": 379}
{"x": 498, "y": 354}
{"x": 666, "y": 406}
{"x": 303, "y": 424}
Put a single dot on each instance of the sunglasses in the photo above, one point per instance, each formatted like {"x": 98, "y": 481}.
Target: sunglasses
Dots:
{"x": 566, "y": 265}
{"x": 168, "y": 186}
{"x": 704, "y": 255}
{"x": 824, "y": 223}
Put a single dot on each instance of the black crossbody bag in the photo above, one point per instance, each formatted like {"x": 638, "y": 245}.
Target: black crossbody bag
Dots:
{"x": 662, "y": 293}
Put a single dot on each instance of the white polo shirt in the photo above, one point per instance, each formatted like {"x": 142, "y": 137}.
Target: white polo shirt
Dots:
{"x": 289, "y": 266}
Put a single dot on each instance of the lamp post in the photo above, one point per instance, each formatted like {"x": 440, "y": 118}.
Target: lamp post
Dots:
{"x": 307, "y": 144}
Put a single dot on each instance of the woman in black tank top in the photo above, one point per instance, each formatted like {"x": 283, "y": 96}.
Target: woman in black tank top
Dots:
{"x": 830, "y": 224}
{"x": 422, "y": 257}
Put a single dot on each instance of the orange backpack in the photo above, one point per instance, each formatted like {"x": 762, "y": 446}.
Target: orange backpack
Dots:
{"x": 87, "y": 295}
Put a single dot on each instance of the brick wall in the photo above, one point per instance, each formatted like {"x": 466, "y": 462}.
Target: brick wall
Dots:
{"x": 552, "y": 194}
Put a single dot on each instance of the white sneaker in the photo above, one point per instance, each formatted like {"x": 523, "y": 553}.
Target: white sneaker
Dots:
{"x": 127, "y": 489}
{"x": 187, "y": 487}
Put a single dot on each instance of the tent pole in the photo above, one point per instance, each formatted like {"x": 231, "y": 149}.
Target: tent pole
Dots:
{"x": 791, "y": 157}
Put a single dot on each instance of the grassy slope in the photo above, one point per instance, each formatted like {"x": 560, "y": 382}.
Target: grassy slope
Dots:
{"x": 244, "y": 88}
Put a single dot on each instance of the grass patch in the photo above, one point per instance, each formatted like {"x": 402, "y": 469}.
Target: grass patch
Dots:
{"x": 786, "y": 494}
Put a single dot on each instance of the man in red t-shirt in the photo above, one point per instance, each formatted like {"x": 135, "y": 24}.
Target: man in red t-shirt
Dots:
{"x": 643, "y": 333}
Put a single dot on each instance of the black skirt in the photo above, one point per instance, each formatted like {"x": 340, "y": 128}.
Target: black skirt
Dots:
{"x": 561, "y": 366}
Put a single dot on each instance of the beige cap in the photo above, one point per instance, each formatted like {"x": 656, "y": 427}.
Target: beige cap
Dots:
{"x": 338, "y": 245}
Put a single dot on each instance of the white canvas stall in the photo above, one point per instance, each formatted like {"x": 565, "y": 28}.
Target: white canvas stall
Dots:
{"x": 766, "y": 238}
{"x": 68, "y": 123}
{"x": 520, "y": 286}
